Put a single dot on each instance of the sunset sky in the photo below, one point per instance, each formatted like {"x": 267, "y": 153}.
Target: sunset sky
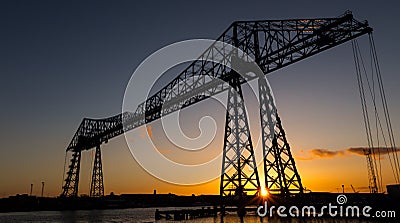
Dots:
{"x": 61, "y": 61}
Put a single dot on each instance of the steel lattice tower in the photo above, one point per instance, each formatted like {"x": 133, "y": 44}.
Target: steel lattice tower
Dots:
{"x": 72, "y": 181}
{"x": 281, "y": 175}
{"x": 238, "y": 153}
{"x": 97, "y": 185}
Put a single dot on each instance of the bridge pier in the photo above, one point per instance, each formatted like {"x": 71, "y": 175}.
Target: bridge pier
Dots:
{"x": 97, "y": 184}
{"x": 238, "y": 152}
{"x": 70, "y": 189}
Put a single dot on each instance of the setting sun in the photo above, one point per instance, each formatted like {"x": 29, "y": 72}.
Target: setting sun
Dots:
{"x": 264, "y": 192}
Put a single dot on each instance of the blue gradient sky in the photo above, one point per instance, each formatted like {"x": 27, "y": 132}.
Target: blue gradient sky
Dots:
{"x": 61, "y": 61}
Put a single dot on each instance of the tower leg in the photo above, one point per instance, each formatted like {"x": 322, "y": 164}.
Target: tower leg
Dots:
{"x": 281, "y": 175}
{"x": 70, "y": 189}
{"x": 239, "y": 175}
{"x": 97, "y": 185}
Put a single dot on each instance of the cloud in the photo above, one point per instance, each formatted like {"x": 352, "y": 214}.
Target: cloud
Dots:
{"x": 327, "y": 153}
{"x": 377, "y": 150}
{"x": 320, "y": 153}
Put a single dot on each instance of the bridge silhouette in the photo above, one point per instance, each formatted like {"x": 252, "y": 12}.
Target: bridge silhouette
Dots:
{"x": 272, "y": 45}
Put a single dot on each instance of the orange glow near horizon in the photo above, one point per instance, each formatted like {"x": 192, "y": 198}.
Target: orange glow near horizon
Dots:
{"x": 264, "y": 192}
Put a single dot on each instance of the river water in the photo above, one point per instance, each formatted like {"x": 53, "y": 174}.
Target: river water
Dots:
{"x": 141, "y": 215}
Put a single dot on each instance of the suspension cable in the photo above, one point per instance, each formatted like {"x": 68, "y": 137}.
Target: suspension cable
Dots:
{"x": 375, "y": 147}
{"x": 386, "y": 111}
{"x": 390, "y": 144}
{"x": 362, "y": 95}
{"x": 378, "y": 123}
{"x": 371, "y": 174}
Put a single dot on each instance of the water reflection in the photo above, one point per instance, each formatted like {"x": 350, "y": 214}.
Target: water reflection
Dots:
{"x": 141, "y": 215}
